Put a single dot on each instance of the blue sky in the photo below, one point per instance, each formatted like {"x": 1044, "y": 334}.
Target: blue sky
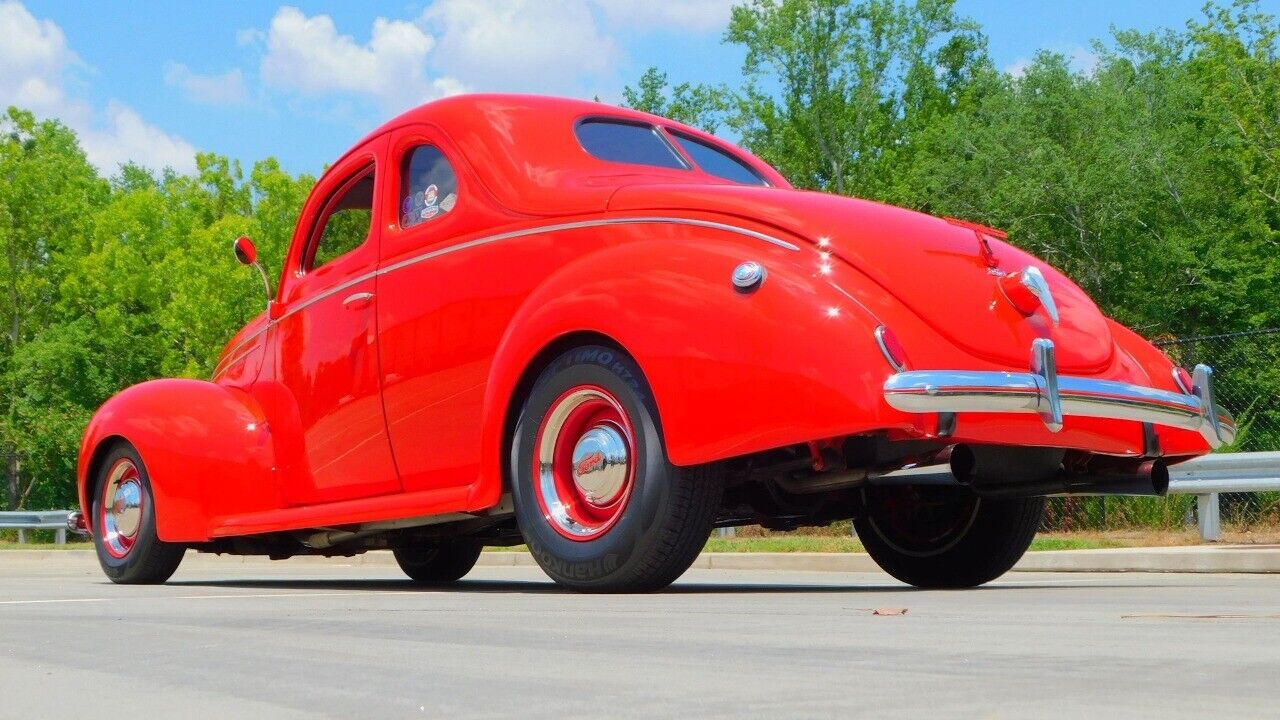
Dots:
{"x": 155, "y": 81}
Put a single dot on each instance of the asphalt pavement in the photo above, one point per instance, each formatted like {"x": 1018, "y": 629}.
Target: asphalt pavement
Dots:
{"x": 228, "y": 639}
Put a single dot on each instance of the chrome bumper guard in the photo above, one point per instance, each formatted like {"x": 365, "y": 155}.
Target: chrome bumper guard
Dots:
{"x": 1052, "y": 397}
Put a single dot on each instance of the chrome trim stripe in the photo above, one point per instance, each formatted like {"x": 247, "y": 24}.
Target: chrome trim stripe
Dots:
{"x": 654, "y": 220}
{"x": 231, "y": 356}
{"x": 540, "y": 230}
{"x": 233, "y": 359}
{"x": 587, "y": 224}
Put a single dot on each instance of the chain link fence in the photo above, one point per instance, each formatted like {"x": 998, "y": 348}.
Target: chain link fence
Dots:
{"x": 1246, "y": 378}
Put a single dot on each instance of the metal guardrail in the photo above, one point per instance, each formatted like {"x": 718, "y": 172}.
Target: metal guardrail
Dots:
{"x": 23, "y": 521}
{"x": 1207, "y": 476}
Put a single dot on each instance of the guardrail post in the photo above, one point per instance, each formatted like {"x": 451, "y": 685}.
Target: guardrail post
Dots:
{"x": 1208, "y": 517}
{"x": 62, "y": 536}
{"x": 22, "y": 537}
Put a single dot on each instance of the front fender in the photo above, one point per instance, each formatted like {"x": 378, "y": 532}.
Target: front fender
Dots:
{"x": 207, "y": 449}
{"x": 732, "y": 372}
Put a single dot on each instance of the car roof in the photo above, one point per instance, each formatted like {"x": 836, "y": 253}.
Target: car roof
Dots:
{"x": 524, "y": 150}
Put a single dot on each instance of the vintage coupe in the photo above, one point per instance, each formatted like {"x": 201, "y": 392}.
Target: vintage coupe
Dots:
{"x": 509, "y": 319}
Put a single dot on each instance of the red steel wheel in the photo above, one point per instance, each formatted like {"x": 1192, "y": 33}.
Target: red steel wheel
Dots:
{"x": 583, "y": 463}
{"x": 123, "y": 511}
{"x": 599, "y": 504}
{"x": 120, "y": 508}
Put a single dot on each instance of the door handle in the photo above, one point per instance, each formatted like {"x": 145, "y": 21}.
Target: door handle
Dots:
{"x": 357, "y": 301}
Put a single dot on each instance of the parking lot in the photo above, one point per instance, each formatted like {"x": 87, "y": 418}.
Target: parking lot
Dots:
{"x": 305, "y": 639}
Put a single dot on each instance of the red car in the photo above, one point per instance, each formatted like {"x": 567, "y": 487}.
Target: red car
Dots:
{"x": 509, "y": 319}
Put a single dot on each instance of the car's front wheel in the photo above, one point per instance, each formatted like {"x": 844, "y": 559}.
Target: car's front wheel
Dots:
{"x": 598, "y": 504}
{"x": 438, "y": 563}
{"x": 124, "y": 522}
{"x": 945, "y": 537}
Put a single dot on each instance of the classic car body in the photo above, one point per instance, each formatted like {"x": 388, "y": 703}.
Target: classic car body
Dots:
{"x": 797, "y": 340}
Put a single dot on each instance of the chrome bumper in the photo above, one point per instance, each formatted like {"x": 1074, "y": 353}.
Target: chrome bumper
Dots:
{"x": 1053, "y": 397}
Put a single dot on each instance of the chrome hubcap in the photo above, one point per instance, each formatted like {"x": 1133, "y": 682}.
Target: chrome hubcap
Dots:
{"x": 600, "y": 462}
{"x": 120, "y": 514}
{"x": 583, "y": 471}
{"x": 126, "y": 509}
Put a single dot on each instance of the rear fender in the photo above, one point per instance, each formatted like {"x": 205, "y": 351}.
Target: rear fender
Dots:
{"x": 207, "y": 449}
{"x": 732, "y": 372}
{"x": 1159, "y": 370}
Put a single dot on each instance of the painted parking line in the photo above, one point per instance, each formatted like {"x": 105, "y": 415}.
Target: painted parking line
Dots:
{"x": 232, "y": 596}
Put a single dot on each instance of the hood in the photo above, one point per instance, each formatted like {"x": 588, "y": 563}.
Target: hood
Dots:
{"x": 938, "y": 269}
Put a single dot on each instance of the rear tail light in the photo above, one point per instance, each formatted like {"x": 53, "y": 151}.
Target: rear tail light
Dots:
{"x": 891, "y": 348}
{"x": 1184, "y": 381}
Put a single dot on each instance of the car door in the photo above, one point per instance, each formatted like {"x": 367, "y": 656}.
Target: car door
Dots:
{"x": 437, "y": 330}
{"x": 325, "y": 340}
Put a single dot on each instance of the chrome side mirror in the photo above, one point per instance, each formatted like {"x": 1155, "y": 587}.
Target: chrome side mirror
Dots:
{"x": 247, "y": 254}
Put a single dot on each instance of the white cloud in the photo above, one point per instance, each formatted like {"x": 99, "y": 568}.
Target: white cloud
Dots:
{"x": 1018, "y": 67}
{"x": 1080, "y": 59}
{"x": 35, "y": 59}
{"x": 455, "y": 45}
{"x": 519, "y": 44}
{"x": 225, "y": 89}
{"x": 33, "y": 56}
{"x": 1083, "y": 60}
{"x": 250, "y": 36}
{"x": 678, "y": 15}
{"x": 309, "y": 55}
{"x": 124, "y": 136}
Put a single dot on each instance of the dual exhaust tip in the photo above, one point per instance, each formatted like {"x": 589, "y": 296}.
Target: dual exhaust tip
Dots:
{"x": 1030, "y": 472}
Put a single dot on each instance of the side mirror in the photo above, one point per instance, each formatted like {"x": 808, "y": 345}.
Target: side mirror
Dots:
{"x": 247, "y": 254}
{"x": 245, "y": 251}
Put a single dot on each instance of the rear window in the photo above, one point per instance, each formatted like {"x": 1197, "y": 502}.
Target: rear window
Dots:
{"x": 715, "y": 161}
{"x": 625, "y": 142}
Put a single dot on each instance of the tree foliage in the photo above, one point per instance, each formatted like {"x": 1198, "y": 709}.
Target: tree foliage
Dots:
{"x": 108, "y": 283}
{"x": 1152, "y": 178}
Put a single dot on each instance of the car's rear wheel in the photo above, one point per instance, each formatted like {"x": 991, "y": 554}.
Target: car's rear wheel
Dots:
{"x": 438, "y": 563}
{"x": 598, "y": 504}
{"x": 124, "y": 530}
{"x": 945, "y": 537}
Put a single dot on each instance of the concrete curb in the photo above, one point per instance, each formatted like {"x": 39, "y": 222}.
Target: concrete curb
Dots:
{"x": 1192, "y": 559}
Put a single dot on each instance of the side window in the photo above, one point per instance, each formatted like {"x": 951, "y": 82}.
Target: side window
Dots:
{"x": 428, "y": 186}
{"x": 348, "y": 219}
{"x": 715, "y": 161}
{"x": 626, "y": 142}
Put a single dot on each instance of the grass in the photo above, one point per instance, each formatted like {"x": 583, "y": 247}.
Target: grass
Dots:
{"x": 45, "y": 546}
{"x": 796, "y": 543}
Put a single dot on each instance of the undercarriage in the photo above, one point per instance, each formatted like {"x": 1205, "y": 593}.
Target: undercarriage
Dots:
{"x": 808, "y": 485}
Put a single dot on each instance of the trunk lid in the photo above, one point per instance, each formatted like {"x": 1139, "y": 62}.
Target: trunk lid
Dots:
{"x": 936, "y": 268}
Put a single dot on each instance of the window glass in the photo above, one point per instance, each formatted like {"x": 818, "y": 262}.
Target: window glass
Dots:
{"x": 348, "y": 224}
{"x": 428, "y": 186}
{"x": 715, "y": 161}
{"x": 627, "y": 143}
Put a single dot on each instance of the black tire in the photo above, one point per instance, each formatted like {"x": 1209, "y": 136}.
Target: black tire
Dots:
{"x": 667, "y": 512}
{"x": 945, "y": 537}
{"x": 148, "y": 560}
{"x": 438, "y": 564}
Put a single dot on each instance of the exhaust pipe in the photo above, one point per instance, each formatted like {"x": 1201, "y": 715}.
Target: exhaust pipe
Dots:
{"x": 1030, "y": 472}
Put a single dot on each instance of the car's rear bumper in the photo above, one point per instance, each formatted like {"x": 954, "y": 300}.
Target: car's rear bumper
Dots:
{"x": 1053, "y": 397}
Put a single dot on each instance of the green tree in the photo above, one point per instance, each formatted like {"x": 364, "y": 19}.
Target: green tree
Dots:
{"x": 701, "y": 106}
{"x": 834, "y": 87}
{"x": 48, "y": 196}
